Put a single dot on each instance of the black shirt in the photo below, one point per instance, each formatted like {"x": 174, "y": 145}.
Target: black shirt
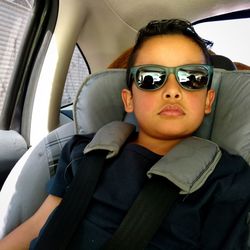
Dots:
{"x": 213, "y": 217}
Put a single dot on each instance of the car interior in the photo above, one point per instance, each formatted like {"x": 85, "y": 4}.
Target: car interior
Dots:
{"x": 34, "y": 127}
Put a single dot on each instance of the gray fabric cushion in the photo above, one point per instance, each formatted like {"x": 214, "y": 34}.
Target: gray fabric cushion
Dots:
{"x": 16, "y": 148}
{"x": 110, "y": 137}
{"x": 231, "y": 124}
{"x": 25, "y": 188}
{"x": 187, "y": 165}
{"x": 98, "y": 101}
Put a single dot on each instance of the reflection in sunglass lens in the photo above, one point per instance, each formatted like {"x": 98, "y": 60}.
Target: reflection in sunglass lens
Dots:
{"x": 150, "y": 78}
{"x": 192, "y": 78}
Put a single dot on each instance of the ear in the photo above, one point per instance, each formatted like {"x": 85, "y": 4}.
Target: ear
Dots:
{"x": 209, "y": 101}
{"x": 127, "y": 99}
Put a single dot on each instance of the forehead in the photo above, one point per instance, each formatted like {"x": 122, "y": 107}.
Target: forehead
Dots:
{"x": 170, "y": 50}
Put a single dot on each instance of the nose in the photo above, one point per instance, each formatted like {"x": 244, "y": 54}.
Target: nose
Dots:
{"x": 172, "y": 90}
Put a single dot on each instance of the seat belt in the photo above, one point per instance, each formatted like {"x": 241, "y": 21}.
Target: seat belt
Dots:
{"x": 145, "y": 216}
{"x": 139, "y": 225}
{"x": 65, "y": 220}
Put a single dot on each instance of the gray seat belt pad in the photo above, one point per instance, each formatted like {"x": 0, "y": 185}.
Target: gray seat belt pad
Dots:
{"x": 187, "y": 165}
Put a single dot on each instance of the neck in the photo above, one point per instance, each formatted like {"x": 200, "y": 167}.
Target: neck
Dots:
{"x": 156, "y": 145}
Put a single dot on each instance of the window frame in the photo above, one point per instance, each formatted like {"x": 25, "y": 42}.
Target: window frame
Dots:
{"x": 67, "y": 81}
{"x": 43, "y": 19}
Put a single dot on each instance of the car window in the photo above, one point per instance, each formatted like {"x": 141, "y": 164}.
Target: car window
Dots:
{"x": 78, "y": 70}
{"x": 15, "y": 16}
{"x": 231, "y": 38}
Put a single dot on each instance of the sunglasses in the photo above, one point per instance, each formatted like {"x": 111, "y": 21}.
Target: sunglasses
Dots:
{"x": 190, "y": 77}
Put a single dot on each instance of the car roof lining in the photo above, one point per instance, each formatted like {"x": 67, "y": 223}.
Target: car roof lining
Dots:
{"x": 118, "y": 31}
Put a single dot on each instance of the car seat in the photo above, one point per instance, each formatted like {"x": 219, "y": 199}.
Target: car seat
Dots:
{"x": 97, "y": 103}
{"x": 218, "y": 61}
{"x": 222, "y": 62}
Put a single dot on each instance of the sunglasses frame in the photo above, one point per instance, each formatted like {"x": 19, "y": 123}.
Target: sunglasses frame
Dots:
{"x": 168, "y": 71}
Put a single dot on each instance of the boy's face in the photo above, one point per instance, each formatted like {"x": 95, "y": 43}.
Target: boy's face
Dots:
{"x": 170, "y": 112}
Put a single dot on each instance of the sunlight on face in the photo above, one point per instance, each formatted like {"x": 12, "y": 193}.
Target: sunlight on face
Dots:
{"x": 170, "y": 112}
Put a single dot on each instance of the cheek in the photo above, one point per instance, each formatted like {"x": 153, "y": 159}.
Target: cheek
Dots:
{"x": 143, "y": 102}
{"x": 197, "y": 105}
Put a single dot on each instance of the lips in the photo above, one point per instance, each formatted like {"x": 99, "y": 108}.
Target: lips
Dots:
{"x": 172, "y": 110}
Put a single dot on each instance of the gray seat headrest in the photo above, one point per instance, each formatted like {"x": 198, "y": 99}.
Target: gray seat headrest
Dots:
{"x": 98, "y": 101}
{"x": 228, "y": 125}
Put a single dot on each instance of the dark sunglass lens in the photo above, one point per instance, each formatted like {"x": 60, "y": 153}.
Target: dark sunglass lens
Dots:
{"x": 150, "y": 79}
{"x": 193, "y": 78}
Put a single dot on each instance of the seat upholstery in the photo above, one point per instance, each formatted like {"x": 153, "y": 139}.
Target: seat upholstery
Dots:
{"x": 97, "y": 103}
{"x": 232, "y": 92}
{"x": 25, "y": 188}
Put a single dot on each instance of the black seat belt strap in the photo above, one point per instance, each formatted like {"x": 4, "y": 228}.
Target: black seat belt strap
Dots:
{"x": 145, "y": 216}
{"x": 66, "y": 218}
{"x": 139, "y": 225}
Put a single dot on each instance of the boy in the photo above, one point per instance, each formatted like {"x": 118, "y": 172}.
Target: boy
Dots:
{"x": 169, "y": 77}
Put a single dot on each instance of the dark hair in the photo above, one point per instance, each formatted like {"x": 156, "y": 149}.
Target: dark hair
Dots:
{"x": 166, "y": 27}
